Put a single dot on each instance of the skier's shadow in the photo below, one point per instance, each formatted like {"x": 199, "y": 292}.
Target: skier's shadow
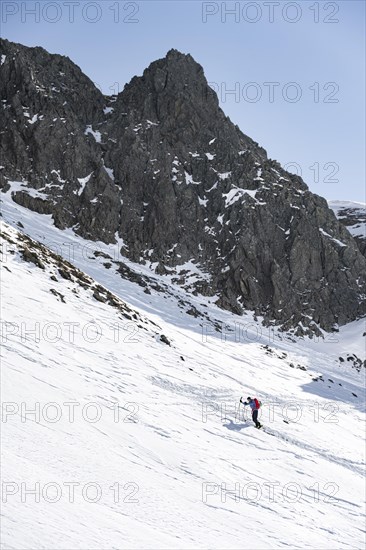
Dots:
{"x": 235, "y": 427}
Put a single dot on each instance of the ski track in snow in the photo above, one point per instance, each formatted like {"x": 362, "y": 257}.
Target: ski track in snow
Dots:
{"x": 171, "y": 429}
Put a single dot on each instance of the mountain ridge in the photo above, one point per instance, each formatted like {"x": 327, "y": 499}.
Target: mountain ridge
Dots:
{"x": 163, "y": 168}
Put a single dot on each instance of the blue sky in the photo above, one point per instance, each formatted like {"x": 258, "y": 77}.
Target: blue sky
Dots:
{"x": 295, "y": 69}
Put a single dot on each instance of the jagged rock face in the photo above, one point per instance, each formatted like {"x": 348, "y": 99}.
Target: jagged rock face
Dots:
{"x": 353, "y": 216}
{"x": 47, "y": 105}
{"x": 163, "y": 168}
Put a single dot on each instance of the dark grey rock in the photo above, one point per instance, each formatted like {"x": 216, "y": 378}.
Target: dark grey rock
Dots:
{"x": 99, "y": 297}
{"x": 58, "y": 295}
{"x": 161, "y": 166}
{"x": 164, "y": 339}
{"x": 32, "y": 257}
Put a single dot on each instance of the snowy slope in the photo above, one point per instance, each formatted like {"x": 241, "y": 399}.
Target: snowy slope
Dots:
{"x": 156, "y": 438}
{"x": 354, "y": 212}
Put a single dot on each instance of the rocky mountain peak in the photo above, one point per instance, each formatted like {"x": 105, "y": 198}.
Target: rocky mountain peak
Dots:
{"x": 53, "y": 82}
{"x": 161, "y": 167}
{"x": 174, "y": 86}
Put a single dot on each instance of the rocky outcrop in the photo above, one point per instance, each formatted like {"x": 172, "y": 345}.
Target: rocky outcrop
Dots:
{"x": 353, "y": 216}
{"x": 161, "y": 167}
